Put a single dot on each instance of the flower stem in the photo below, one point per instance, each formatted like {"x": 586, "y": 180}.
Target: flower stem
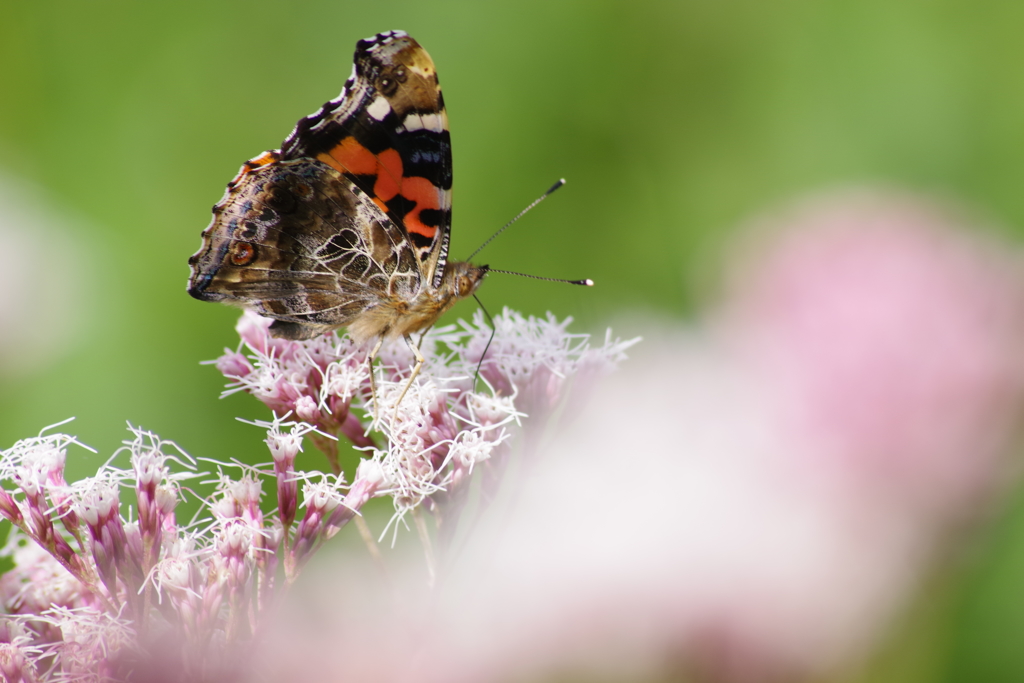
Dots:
{"x": 329, "y": 447}
{"x": 371, "y": 544}
{"x": 428, "y": 547}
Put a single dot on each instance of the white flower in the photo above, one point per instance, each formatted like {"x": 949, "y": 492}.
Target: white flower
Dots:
{"x": 36, "y": 463}
{"x": 345, "y": 376}
{"x": 97, "y": 497}
{"x": 92, "y": 641}
{"x": 37, "y": 581}
{"x": 533, "y": 358}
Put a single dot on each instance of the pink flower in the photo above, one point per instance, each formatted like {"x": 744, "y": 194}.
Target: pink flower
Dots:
{"x": 37, "y": 582}
{"x": 117, "y": 585}
{"x": 895, "y": 337}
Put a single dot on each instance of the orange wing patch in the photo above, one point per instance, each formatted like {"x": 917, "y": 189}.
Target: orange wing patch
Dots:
{"x": 251, "y": 165}
{"x": 351, "y": 157}
{"x": 423, "y": 192}
{"x": 389, "y": 175}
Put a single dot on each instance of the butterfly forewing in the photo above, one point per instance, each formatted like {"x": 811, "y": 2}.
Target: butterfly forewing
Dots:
{"x": 388, "y": 133}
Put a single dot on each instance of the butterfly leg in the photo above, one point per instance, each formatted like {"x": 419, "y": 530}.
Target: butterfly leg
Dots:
{"x": 373, "y": 383}
{"x": 415, "y": 348}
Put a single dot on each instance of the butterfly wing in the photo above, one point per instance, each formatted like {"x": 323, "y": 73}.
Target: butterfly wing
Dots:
{"x": 387, "y": 132}
{"x": 300, "y": 243}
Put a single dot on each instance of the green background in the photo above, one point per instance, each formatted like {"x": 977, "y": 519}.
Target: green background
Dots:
{"x": 672, "y": 121}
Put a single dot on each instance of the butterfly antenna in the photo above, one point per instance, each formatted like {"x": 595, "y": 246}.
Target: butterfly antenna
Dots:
{"x": 490, "y": 321}
{"x": 586, "y": 283}
{"x": 535, "y": 202}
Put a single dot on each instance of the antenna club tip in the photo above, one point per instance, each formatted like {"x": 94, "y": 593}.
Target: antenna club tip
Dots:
{"x": 561, "y": 181}
{"x": 588, "y": 282}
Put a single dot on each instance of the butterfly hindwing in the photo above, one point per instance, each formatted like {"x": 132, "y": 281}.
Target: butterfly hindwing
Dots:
{"x": 301, "y": 243}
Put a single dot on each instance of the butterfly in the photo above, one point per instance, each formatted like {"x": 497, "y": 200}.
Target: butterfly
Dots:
{"x": 348, "y": 223}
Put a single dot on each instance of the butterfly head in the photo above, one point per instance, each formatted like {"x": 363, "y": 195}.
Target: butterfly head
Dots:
{"x": 463, "y": 278}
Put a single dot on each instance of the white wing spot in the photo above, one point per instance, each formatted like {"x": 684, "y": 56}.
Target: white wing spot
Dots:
{"x": 423, "y": 121}
{"x": 379, "y": 108}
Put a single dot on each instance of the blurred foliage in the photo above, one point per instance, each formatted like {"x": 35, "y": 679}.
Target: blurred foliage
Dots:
{"x": 673, "y": 122}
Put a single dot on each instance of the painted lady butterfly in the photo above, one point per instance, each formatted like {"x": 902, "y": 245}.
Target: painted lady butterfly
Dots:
{"x": 347, "y": 225}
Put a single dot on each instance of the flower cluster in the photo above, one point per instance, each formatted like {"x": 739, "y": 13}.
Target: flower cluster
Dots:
{"x": 106, "y": 576}
{"x": 437, "y": 428}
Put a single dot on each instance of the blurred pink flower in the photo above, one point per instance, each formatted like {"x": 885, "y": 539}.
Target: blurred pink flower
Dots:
{"x": 895, "y": 337}
{"x": 748, "y": 501}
